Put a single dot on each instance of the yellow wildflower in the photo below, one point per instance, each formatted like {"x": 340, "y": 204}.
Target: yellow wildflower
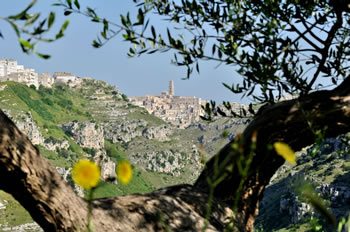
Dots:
{"x": 285, "y": 151}
{"x": 124, "y": 172}
{"x": 86, "y": 174}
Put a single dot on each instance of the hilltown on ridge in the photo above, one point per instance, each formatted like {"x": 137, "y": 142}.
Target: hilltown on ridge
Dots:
{"x": 178, "y": 110}
{"x": 10, "y": 70}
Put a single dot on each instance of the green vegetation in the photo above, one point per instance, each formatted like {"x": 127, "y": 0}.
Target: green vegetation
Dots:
{"x": 139, "y": 182}
{"x": 14, "y": 214}
{"x": 143, "y": 181}
{"x": 49, "y": 107}
{"x": 52, "y": 107}
{"x": 144, "y": 115}
{"x": 55, "y": 158}
{"x": 115, "y": 151}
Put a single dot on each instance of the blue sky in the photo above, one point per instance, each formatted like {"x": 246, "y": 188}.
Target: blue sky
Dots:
{"x": 148, "y": 74}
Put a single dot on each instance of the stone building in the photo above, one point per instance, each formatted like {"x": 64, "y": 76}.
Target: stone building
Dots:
{"x": 25, "y": 76}
{"x": 46, "y": 80}
{"x": 178, "y": 110}
{"x": 171, "y": 88}
{"x": 67, "y": 78}
{"x": 11, "y": 71}
{"x": 8, "y": 66}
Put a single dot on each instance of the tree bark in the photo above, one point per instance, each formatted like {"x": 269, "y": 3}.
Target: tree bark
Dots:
{"x": 227, "y": 192}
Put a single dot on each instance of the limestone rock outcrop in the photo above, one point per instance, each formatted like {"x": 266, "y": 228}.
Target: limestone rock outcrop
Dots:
{"x": 124, "y": 132}
{"x": 166, "y": 161}
{"x": 86, "y": 134}
{"x": 22, "y": 228}
{"x": 53, "y": 144}
{"x": 160, "y": 133}
{"x": 27, "y": 125}
{"x": 296, "y": 209}
{"x": 90, "y": 135}
{"x": 108, "y": 169}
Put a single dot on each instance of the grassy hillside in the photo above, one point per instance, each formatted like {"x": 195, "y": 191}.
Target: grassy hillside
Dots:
{"x": 52, "y": 107}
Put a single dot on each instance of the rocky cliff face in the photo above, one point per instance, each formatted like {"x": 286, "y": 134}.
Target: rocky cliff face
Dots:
{"x": 160, "y": 133}
{"x": 86, "y": 134}
{"x": 167, "y": 161}
{"x": 53, "y": 144}
{"x": 90, "y": 135}
{"x": 326, "y": 168}
{"x": 28, "y": 126}
{"x": 124, "y": 132}
{"x": 22, "y": 228}
{"x": 24, "y": 121}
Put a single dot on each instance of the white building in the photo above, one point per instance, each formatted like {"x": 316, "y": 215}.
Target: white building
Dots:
{"x": 2, "y": 70}
{"x": 20, "y": 68}
{"x": 67, "y": 78}
{"x": 7, "y": 66}
{"x": 46, "y": 80}
{"x": 26, "y": 76}
{"x": 11, "y": 67}
{"x": 11, "y": 71}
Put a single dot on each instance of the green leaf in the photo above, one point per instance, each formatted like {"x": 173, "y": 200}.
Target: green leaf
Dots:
{"x": 51, "y": 19}
{"x": 32, "y": 19}
{"x": 59, "y": 35}
{"x": 76, "y": 3}
{"x": 104, "y": 34}
{"x": 96, "y": 44}
{"x": 67, "y": 12}
{"x": 126, "y": 36}
{"x": 25, "y": 44}
{"x": 43, "y": 56}
{"x": 153, "y": 32}
{"x": 23, "y": 14}
{"x": 145, "y": 27}
{"x": 171, "y": 40}
{"x": 91, "y": 12}
{"x": 58, "y": 4}
{"x": 69, "y": 3}
{"x": 123, "y": 20}
{"x": 65, "y": 25}
{"x": 40, "y": 29}
{"x": 140, "y": 17}
{"x": 197, "y": 67}
{"x": 15, "y": 28}
{"x": 105, "y": 28}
